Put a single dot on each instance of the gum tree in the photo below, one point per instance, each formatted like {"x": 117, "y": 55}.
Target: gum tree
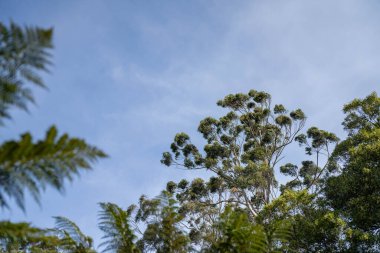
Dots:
{"x": 243, "y": 147}
{"x": 243, "y": 150}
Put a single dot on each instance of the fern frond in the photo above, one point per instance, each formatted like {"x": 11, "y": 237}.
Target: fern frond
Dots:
{"x": 31, "y": 166}
{"x": 115, "y": 224}
{"x": 23, "y": 52}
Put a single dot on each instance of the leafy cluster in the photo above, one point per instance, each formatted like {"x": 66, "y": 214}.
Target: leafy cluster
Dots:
{"x": 28, "y": 165}
{"x": 328, "y": 205}
{"x": 355, "y": 191}
{"x": 243, "y": 147}
{"x": 23, "y": 51}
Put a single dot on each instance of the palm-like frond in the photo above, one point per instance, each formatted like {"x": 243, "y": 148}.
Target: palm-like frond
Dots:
{"x": 22, "y": 237}
{"x": 22, "y": 52}
{"x": 31, "y": 166}
{"x": 276, "y": 239}
{"x": 14, "y": 233}
{"x": 239, "y": 234}
{"x": 115, "y": 224}
{"x": 72, "y": 238}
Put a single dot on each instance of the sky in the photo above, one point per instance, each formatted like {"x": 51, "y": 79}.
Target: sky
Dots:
{"x": 128, "y": 75}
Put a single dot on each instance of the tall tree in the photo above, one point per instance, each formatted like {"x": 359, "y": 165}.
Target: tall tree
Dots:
{"x": 355, "y": 192}
{"x": 243, "y": 147}
{"x": 243, "y": 150}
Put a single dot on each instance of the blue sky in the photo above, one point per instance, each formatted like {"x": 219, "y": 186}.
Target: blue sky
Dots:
{"x": 128, "y": 75}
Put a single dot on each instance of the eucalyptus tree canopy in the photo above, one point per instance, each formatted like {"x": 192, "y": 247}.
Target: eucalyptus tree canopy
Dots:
{"x": 243, "y": 147}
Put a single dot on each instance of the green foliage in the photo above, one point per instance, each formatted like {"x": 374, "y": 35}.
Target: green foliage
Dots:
{"x": 71, "y": 237}
{"x": 314, "y": 228}
{"x": 239, "y": 234}
{"x": 362, "y": 114}
{"x": 201, "y": 204}
{"x": 27, "y": 165}
{"x": 30, "y": 166}
{"x": 114, "y": 222}
{"x": 163, "y": 231}
{"x": 18, "y": 237}
{"x": 355, "y": 191}
{"x": 23, "y": 51}
{"x": 330, "y": 204}
{"x": 311, "y": 175}
{"x": 243, "y": 147}
{"x": 323, "y": 208}
{"x": 22, "y": 237}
